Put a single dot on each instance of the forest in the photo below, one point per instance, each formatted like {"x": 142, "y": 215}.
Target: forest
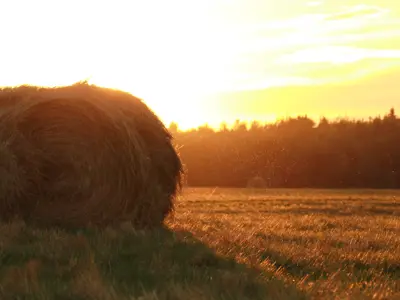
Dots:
{"x": 294, "y": 152}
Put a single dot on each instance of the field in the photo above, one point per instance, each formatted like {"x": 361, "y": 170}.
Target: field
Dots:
{"x": 220, "y": 244}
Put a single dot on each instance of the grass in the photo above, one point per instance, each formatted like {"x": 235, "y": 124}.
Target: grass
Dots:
{"x": 220, "y": 244}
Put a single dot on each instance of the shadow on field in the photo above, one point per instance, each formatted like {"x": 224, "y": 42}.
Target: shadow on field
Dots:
{"x": 121, "y": 263}
{"x": 180, "y": 262}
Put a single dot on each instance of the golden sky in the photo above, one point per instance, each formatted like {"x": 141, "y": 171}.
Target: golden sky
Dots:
{"x": 198, "y": 61}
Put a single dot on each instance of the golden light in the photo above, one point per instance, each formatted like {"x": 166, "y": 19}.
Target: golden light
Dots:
{"x": 178, "y": 54}
{"x": 161, "y": 52}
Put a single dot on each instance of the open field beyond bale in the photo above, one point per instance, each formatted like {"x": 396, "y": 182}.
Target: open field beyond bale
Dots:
{"x": 220, "y": 244}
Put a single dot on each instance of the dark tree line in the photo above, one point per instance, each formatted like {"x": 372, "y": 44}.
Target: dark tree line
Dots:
{"x": 295, "y": 152}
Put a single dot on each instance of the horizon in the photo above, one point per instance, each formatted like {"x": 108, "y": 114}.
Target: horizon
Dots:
{"x": 248, "y": 123}
{"x": 252, "y": 59}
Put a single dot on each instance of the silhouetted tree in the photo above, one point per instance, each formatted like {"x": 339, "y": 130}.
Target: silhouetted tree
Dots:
{"x": 295, "y": 152}
{"x": 173, "y": 127}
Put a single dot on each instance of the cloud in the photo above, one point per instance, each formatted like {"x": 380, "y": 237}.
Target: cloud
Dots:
{"x": 337, "y": 55}
{"x": 324, "y": 44}
{"x": 311, "y": 43}
{"x": 319, "y": 27}
{"x": 362, "y": 10}
{"x": 356, "y": 14}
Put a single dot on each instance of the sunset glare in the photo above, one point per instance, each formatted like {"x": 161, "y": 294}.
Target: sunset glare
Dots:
{"x": 213, "y": 61}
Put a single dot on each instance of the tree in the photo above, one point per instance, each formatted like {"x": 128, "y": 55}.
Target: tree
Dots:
{"x": 173, "y": 128}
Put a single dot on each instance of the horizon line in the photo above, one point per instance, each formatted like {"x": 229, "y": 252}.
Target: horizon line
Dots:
{"x": 248, "y": 123}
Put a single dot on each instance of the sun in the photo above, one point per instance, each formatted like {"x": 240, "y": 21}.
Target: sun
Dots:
{"x": 172, "y": 60}
{"x": 155, "y": 52}
{"x": 172, "y": 102}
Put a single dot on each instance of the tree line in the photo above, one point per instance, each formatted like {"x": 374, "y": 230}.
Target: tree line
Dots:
{"x": 294, "y": 153}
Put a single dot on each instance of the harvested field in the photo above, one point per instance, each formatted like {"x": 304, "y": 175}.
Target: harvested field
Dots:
{"x": 220, "y": 244}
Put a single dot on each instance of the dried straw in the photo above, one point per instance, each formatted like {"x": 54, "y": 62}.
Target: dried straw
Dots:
{"x": 84, "y": 155}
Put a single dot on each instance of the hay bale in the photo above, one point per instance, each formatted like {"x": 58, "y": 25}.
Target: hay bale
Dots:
{"x": 84, "y": 155}
{"x": 256, "y": 182}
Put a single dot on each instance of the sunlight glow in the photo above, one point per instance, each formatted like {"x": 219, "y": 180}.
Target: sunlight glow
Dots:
{"x": 178, "y": 56}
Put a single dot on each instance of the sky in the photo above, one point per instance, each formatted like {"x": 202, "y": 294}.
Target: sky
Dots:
{"x": 210, "y": 61}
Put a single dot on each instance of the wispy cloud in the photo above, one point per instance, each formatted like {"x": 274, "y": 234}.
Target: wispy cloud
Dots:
{"x": 338, "y": 36}
{"x": 362, "y": 10}
{"x": 337, "y": 55}
{"x": 317, "y": 29}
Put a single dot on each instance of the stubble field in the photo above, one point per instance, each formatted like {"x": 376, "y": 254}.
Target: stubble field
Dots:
{"x": 220, "y": 244}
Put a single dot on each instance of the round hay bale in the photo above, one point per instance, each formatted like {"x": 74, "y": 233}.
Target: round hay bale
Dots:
{"x": 84, "y": 155}
{"x": 257, "y": 182}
